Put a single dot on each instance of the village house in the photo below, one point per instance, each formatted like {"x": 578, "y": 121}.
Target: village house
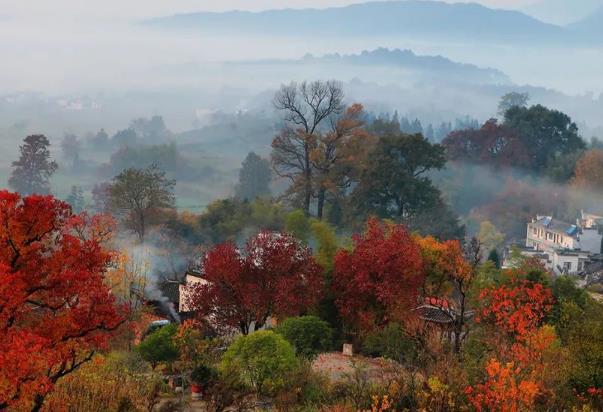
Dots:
{"x": 563, "y": 247}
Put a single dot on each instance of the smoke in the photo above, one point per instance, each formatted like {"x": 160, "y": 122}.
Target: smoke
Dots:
{"x": 160, "y": 260}
{"x": 509, "y": 197}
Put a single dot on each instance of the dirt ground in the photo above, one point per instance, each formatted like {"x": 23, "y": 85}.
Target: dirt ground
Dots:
{"x": 338, "y": 366}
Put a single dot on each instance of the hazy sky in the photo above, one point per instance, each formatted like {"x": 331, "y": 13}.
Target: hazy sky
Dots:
{"x": 145, "y": 8}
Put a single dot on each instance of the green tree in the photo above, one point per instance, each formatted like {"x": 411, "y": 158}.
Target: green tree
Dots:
{"x": 309, "y": 335}
{"x": 160, "y": 346}
{"x": 547, "y": 134}
{"x": 489, "y": 236}
{"x": 261, "y": 360}
{"x": 32, "y": 172}
{"x": 138, "y": 195}
{"x": 298, "y": 224}
{"x": 327, "y": 243}
{"x": 394, "y": 182}
{"x": 494, "y": 257}
{"x": 512, "y": 99}
{"x": 254, "y": 178}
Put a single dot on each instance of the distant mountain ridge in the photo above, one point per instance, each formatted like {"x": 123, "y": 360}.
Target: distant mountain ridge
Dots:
{"x": 428, "y": 19}
{"x": 405, "y": 59}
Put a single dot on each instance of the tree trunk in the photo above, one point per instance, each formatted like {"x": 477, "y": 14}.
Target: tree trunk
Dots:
{"x": 321, "y": 202}
{"x": 37, "y": 403}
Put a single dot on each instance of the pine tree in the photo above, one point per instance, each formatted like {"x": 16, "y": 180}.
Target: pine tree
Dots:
{"x": 32, "y": 172}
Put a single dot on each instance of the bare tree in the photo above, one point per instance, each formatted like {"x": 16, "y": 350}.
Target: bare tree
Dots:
{"x": 336, "y": 153}
{"x": 306, "y": 107}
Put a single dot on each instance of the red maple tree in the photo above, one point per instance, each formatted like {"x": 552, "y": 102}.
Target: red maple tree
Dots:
{"x": 274, "y": 276}
{"x": 55, "y": 309}
{"x": 379, "y": 280}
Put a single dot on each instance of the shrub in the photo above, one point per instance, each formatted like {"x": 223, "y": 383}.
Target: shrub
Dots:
{"x": 309, "y": 335}
{"x": 260, "y": 360}
{"x": 118, "y": 381}
{"x": 203, "y": 375}
{"x": 390, "y": 342}
{"x": 159, "y": 346}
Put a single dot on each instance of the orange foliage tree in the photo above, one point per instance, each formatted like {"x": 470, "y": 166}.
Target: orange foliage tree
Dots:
{"x": 447, "y": 265}
{"x": 589, "y": 170}
{"x": 55, "y": 307}
{"x": 503, "y": 390}
{"x": 515, "y": 313}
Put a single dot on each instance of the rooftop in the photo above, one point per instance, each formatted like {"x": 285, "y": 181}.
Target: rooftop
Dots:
{"x": 556, "y": 226}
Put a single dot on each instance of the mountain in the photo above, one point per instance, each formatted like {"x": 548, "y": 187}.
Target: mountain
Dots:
{"x": 406, "y": 61}
{"x": 590, "y": 26}
{"x": 562, "y": 12}
{"x": 424, "y": 19}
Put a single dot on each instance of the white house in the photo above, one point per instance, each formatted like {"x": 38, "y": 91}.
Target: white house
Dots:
{"x": 563, "y": 247}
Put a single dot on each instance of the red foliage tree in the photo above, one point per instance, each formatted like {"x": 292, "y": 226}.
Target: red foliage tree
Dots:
{"x": 276, "y": 275}
{"x": 379, "y": 280}
{"x": 493, "y": 144}
{"x": 55, "y": 309}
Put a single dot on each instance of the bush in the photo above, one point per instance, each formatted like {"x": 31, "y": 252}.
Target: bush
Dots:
{"x": 118, "y": 381}
{"x": 390, "y": 342}
{"x": 260, "y": 360}
{"x": 203, "y": 375}
{"x": 159, "y": 346}
{"x": 309, "y": 335}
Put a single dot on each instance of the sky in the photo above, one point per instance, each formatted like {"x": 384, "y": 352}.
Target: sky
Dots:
{"x": 130, "y": 9}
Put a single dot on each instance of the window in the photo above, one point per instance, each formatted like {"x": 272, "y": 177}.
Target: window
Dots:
{"x": 567, "y": 266}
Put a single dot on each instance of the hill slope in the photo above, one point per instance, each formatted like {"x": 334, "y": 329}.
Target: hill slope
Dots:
{"x": 426, "y": 19}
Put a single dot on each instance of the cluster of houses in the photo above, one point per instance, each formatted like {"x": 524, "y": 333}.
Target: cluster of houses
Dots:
{"x": 565, "y": 248}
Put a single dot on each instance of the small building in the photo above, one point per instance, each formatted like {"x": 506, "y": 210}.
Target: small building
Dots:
{"x": 192, "y": 278}
{"x": 562, "y": 247}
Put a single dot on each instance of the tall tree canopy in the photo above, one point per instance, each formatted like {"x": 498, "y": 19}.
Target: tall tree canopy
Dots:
{"x": 394, "y": 183}
{"x": 137, "y": 195}
{"x": 254, "y": 178}
{"x": 275, "y": 275}
{"x": 492, "y": 144}
{"x": 545, "y": 133}
{"x": 306, "y": 108}
{"x": 512, "y": 99}
{"x": 32, "y": 172}
{"x": 55, "y": 308}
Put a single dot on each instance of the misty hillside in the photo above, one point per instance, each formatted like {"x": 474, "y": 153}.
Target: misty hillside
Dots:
{"x": 592, "y": 25}
{"x": 428, "y": 19}
{"x": 400, "y": 59}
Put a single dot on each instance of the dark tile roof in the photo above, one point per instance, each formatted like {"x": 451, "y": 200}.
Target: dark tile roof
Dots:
{"x": 434, "y": 314}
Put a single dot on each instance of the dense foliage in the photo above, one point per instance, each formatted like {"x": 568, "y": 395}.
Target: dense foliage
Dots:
{"x": 55, "y": 309}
